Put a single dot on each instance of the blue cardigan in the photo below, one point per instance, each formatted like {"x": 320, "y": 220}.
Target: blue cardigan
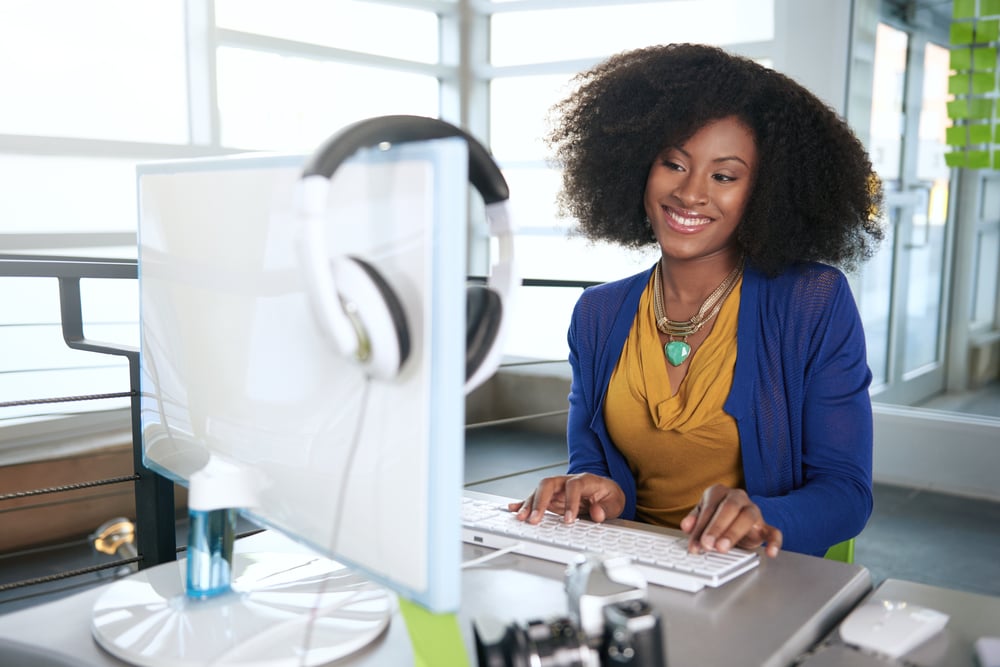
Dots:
{"x": 799, "y": 397}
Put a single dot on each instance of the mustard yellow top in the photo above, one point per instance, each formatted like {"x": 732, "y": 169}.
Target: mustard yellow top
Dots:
{"x": 676, "y": 445}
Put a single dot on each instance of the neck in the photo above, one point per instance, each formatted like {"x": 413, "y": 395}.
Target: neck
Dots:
{"x": 687, "y": 283}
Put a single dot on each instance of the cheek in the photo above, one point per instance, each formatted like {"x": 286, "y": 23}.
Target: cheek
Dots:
{"x": 737, "y": 201}
{"x": 649, "y": 194}
{"x": 651, "y": 181}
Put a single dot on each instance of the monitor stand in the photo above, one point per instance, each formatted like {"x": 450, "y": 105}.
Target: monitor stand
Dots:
{"x": 275, "y": 608}
{"x": 284, "y": 609}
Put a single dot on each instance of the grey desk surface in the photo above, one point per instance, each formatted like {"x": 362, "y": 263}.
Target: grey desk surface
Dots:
{"x": 769, "y": 616}
{"x": 971, "y": 616}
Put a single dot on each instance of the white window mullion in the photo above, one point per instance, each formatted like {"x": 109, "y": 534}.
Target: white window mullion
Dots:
{"x": 202, "y": 84}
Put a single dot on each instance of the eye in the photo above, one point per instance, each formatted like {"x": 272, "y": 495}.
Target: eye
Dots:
{"x": 724, "y": 178}
{"x": 671, "y": 165}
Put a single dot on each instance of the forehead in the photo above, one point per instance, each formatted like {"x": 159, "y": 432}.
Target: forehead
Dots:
{"x": 722, "y": 137}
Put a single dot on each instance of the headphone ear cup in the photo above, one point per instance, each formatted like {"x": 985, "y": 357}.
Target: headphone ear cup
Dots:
{"x": 483, "y": 314}
{"x": 379, "y": 314}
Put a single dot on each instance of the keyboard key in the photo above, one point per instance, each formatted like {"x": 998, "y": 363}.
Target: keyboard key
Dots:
{"x": 663, "y": 559}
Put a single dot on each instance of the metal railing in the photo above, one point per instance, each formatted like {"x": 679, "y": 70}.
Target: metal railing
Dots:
{"x": 155, "y": 527}
{"x": 154, "y": 494}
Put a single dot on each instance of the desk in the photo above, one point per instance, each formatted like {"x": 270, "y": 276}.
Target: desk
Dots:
{"x": 767, "y": 617}
{"x": 971, "y": 616}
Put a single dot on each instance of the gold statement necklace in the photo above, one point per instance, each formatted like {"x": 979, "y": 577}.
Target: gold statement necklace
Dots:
{"x": 677, "y": 351}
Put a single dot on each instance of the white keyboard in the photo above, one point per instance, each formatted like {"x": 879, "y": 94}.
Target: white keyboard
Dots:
{"x": 662, "y": 559}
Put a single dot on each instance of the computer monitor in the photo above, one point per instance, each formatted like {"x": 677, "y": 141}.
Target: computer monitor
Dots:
{"x": 236, "y": 373}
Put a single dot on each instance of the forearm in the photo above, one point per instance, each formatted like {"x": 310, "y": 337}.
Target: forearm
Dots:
{"x": 819, "y": 514}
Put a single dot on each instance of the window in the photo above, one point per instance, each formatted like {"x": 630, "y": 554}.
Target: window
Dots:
{"x": 526, "y": 36}
{"x": 532, "y": 70}
{"x": 96, "y": 85}
{"x": 102, "y": 86}
{"x": 383, "y": 29}
{"x": 43, "y": 367}
{"x": 271, "y": 101}
{"x": 112, "y": 69}
{"x": 105, "y": 85}
{"x": 291, "y": 74}
{"x": 45, "y": 195}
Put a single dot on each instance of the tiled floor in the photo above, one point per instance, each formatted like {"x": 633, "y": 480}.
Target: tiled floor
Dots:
{"x": 984, "y": 401}
{"x": 932, "y": 538}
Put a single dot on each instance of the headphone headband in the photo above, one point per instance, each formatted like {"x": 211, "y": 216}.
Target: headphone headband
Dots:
{"x": 354, "y": 304}
{"x": 483, "y": 172}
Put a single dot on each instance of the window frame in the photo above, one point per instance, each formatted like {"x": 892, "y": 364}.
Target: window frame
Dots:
{"x": 202, "y": 41}
{"x": 463, "y": 71}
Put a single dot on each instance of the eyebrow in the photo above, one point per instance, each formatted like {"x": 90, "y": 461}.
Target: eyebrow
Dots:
{"x": 725, "y": 158}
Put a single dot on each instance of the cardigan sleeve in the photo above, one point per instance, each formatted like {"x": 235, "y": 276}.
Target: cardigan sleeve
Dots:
{"x": 585, "y": 450}
{"x": 599, "y": 320}
{"x": 826, "y": 382}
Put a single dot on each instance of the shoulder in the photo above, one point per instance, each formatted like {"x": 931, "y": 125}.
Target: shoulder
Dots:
{"x": 611, "y": 294}
{"x": 808, "y": 307}
{"x": 598, "y": 307}
{"x": 800, "y": 285}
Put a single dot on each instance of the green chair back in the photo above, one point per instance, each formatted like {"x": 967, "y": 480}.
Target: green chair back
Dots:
{"x": 843, "y": 551}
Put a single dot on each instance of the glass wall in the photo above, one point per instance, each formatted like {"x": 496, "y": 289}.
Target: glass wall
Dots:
{"x": 102, "y": 86}
{"x": 903, "y": 291}
{"x": 108, "y": 84}
{"x": 531, "y": 70}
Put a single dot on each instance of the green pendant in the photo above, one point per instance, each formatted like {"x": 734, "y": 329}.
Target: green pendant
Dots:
{"x": 677, "y": 351}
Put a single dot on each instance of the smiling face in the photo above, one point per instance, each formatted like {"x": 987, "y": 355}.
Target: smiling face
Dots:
{"x": 696, "y": 193}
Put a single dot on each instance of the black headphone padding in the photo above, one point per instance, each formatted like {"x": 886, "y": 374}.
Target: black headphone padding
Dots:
{"x": 483, "y": 313}
{"x": 484, "y": 306}
{"x": 392, "y": 304}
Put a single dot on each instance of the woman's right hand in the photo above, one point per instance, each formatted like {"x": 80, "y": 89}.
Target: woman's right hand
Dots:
{"x": 571, "y": 495}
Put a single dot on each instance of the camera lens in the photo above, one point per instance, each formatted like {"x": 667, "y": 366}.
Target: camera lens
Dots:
{"x": 632, "y": 635}
{"x": 555, "y": 643}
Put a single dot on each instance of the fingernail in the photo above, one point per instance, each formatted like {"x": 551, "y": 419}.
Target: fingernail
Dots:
{"x": 708, "y": 541}
{"x": 568, "y": 517}
{"x": 537, "y": 514}
{"x": 723, "y": 544}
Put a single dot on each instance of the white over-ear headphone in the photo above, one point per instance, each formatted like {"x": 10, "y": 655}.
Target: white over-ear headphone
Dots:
{"x": 354, "y": 304}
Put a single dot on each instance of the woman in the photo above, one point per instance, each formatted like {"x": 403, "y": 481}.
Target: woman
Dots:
{"x": 724, "y": 391}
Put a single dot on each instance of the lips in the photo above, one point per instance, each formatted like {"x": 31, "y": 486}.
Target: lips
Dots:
{"x": 685, "y": 221}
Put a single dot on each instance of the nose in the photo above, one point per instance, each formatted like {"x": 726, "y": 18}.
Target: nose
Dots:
{"x": 690, "y": 192}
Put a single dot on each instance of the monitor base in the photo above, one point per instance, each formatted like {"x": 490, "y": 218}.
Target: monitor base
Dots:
{"x": 285, "y": 609}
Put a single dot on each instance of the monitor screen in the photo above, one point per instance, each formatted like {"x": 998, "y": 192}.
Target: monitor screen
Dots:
{"x": 235, "y": 368}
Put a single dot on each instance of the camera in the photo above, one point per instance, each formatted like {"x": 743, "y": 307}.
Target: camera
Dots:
{"x": 609, "y": 624}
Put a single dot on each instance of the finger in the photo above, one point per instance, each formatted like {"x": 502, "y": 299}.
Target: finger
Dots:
{"x": 774, "y": 540}
{"x": 700, "y": 518}
{"x": 746, "y": 524}
{"x": 706, "y": 510}
{"x": 524, "y": 507}
{"x": 688, "y": 522}
{"x": 597, "y": 512}
{"x": 610, "y": 504}
{"x": 600, "y": 497}
{"x": 543, "y": 497}
{"x": 754, "y": 537}
{"x": 723, "y": 517}
{"x": 586, "y": 492}
{"x": 573, "y": 493}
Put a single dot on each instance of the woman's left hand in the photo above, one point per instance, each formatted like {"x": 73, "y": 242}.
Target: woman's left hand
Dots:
{"x": 725, "y": 518}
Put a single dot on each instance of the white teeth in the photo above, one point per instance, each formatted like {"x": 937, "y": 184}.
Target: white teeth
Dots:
{"x": 685, "y": 221}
